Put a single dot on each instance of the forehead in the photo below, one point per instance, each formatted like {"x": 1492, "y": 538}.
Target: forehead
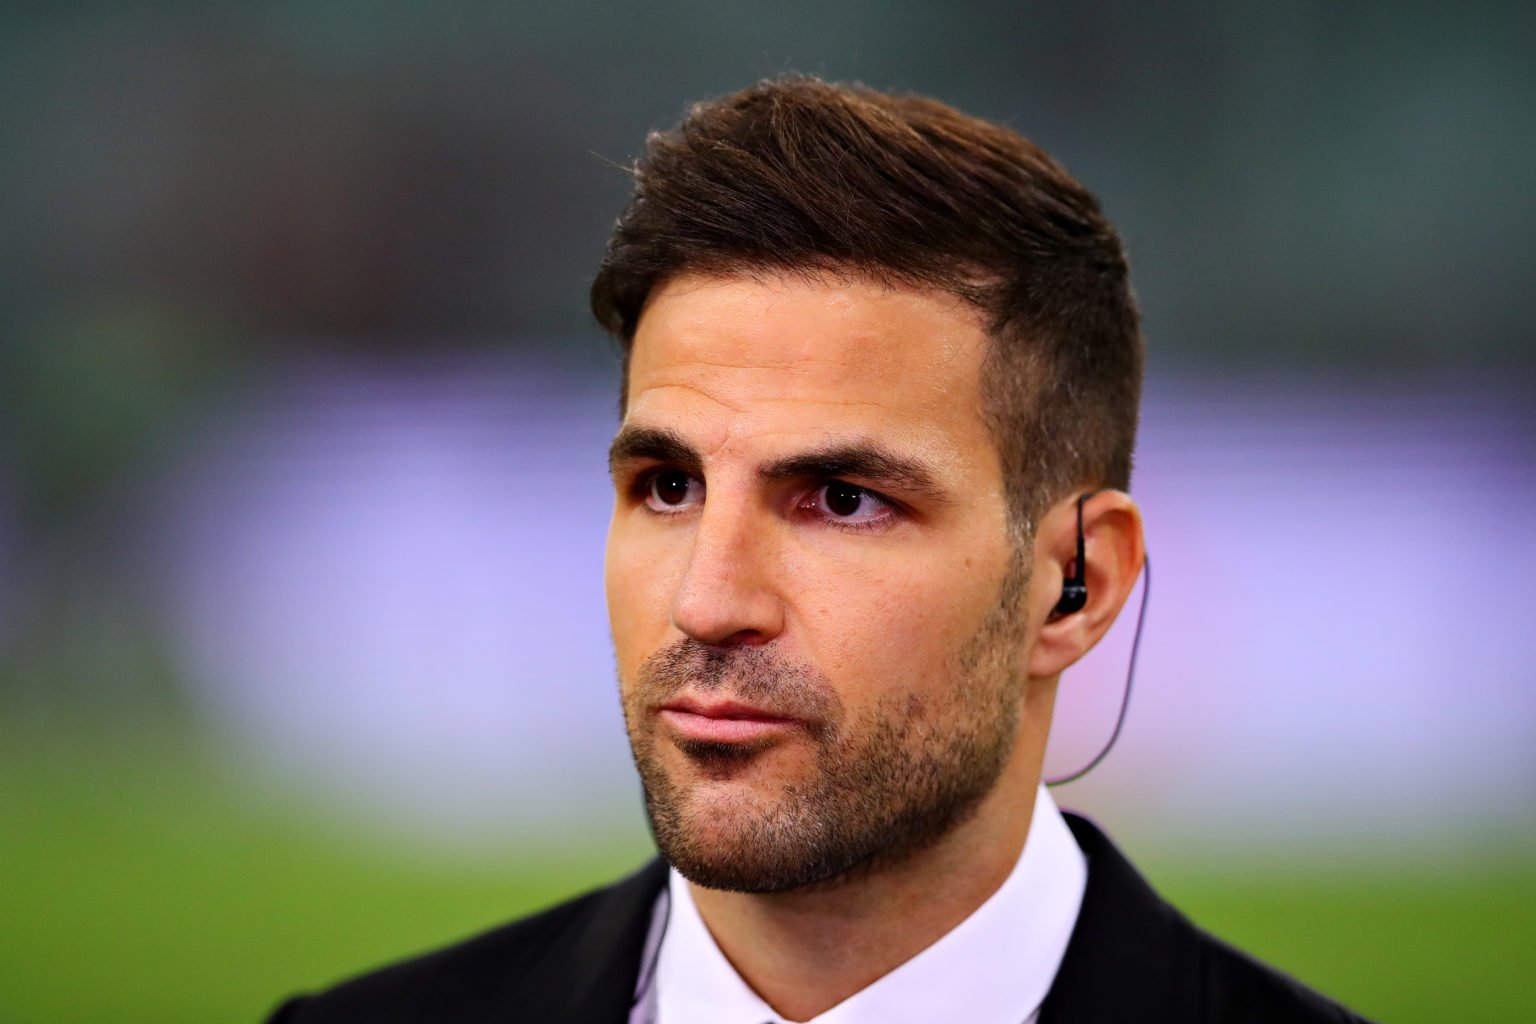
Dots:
{"x": 740, "y": 357}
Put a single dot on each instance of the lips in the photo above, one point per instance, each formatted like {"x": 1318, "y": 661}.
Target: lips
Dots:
{"x": 720, "y": 720}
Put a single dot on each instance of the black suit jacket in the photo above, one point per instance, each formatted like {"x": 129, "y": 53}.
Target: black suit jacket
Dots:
{"x": 1132, "y": 958}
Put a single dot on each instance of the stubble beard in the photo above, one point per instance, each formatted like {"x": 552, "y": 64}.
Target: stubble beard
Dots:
{"x": 886, "y": 784}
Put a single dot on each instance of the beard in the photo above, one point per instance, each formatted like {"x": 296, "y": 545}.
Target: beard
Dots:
{"x": 885, "y": 783}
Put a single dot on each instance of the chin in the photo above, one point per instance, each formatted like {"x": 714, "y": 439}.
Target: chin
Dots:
{"x": 724, "y": 834}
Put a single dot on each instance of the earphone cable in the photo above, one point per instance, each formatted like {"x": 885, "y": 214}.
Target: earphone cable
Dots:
{"x": 1130, "y": 678}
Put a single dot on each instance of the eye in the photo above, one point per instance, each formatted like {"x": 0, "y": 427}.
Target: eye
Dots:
{"x": 672, "y": 490}
{"x": 848, "y": 504}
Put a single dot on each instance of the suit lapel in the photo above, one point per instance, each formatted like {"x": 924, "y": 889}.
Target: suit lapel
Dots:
{"x": 1131, "y": 955}
{"x": 589, "y": 967}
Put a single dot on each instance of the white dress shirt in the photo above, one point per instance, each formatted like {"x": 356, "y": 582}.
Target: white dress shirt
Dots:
{"x": 995, "y": 967}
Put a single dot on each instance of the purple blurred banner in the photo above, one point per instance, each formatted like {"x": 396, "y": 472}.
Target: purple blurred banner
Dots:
{"x": 385, "y": 584}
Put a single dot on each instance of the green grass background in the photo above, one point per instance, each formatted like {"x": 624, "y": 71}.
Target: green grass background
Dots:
{"x": 144, "y": 883}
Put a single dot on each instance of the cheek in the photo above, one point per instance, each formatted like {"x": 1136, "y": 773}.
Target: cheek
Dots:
{"x": 878, "y": 633}
{"x": 639, "y": 581}
{"x": 638, "y": 599}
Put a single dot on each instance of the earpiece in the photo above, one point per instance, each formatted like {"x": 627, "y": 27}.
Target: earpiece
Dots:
{"x": 1074, "y": 590}
{"x": 1074, "y": 596}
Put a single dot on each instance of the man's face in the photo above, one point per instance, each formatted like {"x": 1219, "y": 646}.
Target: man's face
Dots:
{"x": 816, "y": 608}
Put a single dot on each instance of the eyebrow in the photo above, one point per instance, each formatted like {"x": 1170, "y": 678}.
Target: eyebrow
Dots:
{"x": 654, "y": 443}
{"x": 864, "y": 460}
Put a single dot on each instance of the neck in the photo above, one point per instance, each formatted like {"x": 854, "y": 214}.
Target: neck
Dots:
{"x": 807, "y": 950}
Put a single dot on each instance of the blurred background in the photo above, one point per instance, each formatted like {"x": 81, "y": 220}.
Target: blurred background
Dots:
{"x": 303, "y": 659}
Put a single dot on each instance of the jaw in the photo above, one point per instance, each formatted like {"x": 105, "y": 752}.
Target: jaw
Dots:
{"x": 813, "y": 818}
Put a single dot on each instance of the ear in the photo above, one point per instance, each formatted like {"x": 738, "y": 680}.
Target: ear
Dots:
{"x": 1115, "y": 550}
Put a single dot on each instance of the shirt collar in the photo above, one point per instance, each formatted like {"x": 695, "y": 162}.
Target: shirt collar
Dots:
{"x": 995, "y": 967}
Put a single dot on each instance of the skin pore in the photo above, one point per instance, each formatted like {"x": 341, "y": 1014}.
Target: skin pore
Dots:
{"x": 837, "y": 671}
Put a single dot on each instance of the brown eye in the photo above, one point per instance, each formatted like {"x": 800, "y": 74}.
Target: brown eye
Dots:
{"x": 849, "y": 506}
{"x": 844, "y": 499}
{"x": 673, "y": 489}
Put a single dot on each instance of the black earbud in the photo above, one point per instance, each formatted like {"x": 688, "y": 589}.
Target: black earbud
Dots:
{"x": 1074, "y": 595}
{"x": 1074, "y": 590}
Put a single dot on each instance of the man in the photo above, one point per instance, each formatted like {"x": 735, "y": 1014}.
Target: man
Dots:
{"x": 882, "y": 369}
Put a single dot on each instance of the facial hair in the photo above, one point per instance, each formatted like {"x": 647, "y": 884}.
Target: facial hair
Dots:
{"x": 887, "y": 782}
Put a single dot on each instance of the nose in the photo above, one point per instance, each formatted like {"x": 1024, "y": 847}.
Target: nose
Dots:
{"x": 729, "y": 594}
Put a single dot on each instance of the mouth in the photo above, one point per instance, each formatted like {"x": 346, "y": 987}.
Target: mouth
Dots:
{"x": 726, "y": 721}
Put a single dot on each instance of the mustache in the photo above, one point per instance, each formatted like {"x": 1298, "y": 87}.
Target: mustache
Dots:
{"x": 760, "y": 676}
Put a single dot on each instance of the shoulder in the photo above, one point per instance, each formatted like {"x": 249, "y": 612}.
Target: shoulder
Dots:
{"x": 1133, "y": 956}
{"x": 587, "y": 949}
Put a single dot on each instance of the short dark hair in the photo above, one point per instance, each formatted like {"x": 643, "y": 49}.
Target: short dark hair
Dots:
{"x": 797, "y": 175}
